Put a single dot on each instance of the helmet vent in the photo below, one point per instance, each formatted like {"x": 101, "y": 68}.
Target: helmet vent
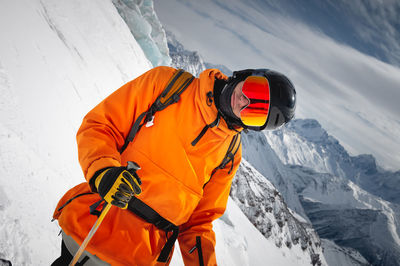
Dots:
{"x": 277, "y": 119}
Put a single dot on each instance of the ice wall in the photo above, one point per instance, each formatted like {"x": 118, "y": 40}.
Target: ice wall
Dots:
{"x": 143, "y": 23}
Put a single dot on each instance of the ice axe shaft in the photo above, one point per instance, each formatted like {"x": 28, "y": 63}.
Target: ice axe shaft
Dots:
{"x": 132, "y": 166}
{"x": 90, "y": 235}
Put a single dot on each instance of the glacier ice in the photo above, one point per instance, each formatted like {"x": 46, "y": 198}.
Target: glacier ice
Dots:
{"x": 143, "y": 23}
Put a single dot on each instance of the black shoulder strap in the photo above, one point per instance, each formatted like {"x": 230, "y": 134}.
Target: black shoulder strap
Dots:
{"x": 229, "y": 156}
{"x": 171, "y": 94}
{"x": 231, "y": 152}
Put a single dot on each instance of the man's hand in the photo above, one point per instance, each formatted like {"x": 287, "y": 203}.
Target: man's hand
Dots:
{"x": 117, "y": 185}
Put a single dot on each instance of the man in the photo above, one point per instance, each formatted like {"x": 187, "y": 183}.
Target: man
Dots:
{"x": 183, "y": 185}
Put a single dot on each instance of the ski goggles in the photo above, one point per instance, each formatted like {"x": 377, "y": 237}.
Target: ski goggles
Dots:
{"x": 256, "y": 89}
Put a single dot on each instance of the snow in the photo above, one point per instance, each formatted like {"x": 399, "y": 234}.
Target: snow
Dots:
{"x": 263, "y": 158}
{"x": 338, "y": 256}
{"x": 240, "y": 243}
{"x": 26, "y": 207}
{"x": 56, "y": 63}
{"x": 56, "y": 56}
{"x": 269, "y": 213}
{"x": 244, "y": 239}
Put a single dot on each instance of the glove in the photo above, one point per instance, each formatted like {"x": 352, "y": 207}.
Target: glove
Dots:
{"x": 117, "y": 185}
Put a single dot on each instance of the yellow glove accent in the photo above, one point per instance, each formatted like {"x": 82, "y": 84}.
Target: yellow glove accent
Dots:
{"x": 117, "y": 186}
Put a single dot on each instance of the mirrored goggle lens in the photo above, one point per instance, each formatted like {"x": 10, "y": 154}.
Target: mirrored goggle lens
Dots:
{"x": 256, "y": 88}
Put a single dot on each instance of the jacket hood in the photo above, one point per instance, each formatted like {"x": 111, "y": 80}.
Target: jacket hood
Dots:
{"x": 209, "y": 110}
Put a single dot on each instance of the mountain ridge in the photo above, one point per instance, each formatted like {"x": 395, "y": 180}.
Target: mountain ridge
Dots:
{"x": 324, "y": 153}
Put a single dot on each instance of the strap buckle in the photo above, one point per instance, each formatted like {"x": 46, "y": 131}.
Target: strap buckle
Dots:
{"x": 151, "y": 122}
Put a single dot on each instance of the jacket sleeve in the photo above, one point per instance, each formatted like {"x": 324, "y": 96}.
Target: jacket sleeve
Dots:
{"x": 196, "y": 237}
{"x": 105, "y": 127}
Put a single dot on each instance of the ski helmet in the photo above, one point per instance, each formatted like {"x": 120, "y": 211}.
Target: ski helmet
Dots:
{"x": 272, "y": 99}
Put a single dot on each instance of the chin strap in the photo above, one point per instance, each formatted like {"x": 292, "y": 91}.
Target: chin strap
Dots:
{"x": 232, "y": 123}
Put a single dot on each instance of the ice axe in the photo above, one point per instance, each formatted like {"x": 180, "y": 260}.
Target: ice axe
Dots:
{"x": 132, "y": 166}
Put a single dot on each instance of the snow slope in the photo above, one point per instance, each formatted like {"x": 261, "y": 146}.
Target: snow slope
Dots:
{"x": 267, "y": 210}
{"x": 339, "y": 256}
{"x": 57, "y": 60}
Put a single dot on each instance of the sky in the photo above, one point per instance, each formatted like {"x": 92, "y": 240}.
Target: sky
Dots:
{"x": 342, "y": 69}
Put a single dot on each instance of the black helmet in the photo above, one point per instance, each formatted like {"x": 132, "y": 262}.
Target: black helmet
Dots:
{"x": 280, "y": 103}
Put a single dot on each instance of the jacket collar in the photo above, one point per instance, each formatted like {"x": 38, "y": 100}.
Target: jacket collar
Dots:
{"x": 208, "y": 109}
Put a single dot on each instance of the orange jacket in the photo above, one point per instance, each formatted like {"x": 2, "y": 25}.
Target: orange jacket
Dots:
{"x": 173, "y": 172}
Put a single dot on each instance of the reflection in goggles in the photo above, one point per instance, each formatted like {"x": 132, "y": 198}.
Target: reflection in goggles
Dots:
{"x": 256, "y": 89}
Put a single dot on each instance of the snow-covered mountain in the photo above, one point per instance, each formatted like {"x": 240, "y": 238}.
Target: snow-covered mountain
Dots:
{"x": 189, "y": 60}
{"x": 181, "y": 58}
{"x": 306, "y": 143}
{"x": 343, "y": 212}
{"x": 266, "y": 209}
{"x": 327, "y": 182}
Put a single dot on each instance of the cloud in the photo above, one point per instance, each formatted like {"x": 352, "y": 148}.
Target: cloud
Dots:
{"x": 374, "y": 24}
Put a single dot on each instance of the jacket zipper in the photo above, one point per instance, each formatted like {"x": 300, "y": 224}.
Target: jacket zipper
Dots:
{"x": 205, "y": 128}
{"x": 199, "y": 250}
